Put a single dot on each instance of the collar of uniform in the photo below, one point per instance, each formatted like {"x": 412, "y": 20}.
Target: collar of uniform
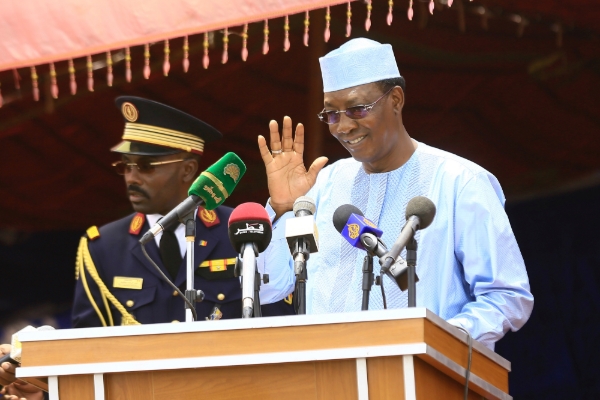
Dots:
{"x": 179, "y": 232}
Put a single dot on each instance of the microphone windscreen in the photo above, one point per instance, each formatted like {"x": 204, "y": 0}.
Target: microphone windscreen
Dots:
{"x": 218, "y": 181}
{"x": 423, "y": 208}
{"x": 250, "y": 223}
{"x": 341, "y": 215}
{"x": 306, "y": 204}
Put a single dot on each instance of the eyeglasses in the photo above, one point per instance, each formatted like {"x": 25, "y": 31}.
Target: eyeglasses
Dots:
{"x": 356, "y": 112}
{"x": 143, "y": 166}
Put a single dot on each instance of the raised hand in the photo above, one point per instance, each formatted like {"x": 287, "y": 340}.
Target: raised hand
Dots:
{"x": 287, "y": 176}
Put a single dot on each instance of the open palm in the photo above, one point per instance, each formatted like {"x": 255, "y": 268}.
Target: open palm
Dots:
{"x": 287, "y": 176}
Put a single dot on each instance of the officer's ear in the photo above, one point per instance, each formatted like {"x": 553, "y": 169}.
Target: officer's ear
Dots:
{"x": 191, "y": 167}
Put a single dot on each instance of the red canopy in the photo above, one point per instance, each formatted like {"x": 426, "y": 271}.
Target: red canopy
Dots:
{"x": 522, "y": 107}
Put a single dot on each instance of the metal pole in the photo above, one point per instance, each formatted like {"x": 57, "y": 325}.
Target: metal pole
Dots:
{"x": 411, "y": 262}
{"x": 248, "y": 271}
{"x": 367, "y": 281}
{"x": 190, "y": 238}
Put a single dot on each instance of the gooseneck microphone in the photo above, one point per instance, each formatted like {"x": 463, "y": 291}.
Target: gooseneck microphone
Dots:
{"x": 303, "y": 239}
{"x": 210, "y": 189}
{"x": 358, "y": 230}
{"x": 420, "y": 212}
{"x": 363, "y": 234}
{"x": 250, "y": 234}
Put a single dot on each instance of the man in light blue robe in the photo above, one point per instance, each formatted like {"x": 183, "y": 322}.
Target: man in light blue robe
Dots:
{"x": 470, "y": 268}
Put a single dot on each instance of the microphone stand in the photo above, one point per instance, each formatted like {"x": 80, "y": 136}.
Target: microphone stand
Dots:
{"x": 301, "y": 254}
{"x": 250, "y": 286}
{"x": 257, "y": 310}
{"x": 367, "y": 280}
{"x": 191, "y": 294}
{"x": 300, "y": 295}
{"x": 411, "y": 263}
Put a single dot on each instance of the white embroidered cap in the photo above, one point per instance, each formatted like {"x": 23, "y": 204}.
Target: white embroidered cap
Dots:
{"x": 357, "y": 62}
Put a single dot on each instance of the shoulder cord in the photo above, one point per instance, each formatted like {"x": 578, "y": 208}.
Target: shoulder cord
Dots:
{"x": 85, "y": 250}
{"x": 80, "y": 272}
{"x": 85, "y": 259}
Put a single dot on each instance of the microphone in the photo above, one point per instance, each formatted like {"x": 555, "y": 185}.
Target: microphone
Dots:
{"x": 15, "y": 351}
{"x": 420, "y": 212}
{"x": 301, "y": 232}
{"x": 352, "y": 224}
{"x": 250, "y": 234}
{"x": 303, "y": 239}
{"x": 364, "y": 234}
{"x": 210, "y": 189}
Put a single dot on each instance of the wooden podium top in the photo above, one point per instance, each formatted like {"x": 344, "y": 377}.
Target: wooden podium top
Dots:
{"x": 267, "y": 340}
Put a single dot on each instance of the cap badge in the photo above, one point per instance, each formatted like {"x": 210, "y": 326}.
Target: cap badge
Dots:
{"x": 353, "y": 231}
{"x": 208, "y": 217}
{"x": 233, "y": 171}
{"x": 129, "y": 112}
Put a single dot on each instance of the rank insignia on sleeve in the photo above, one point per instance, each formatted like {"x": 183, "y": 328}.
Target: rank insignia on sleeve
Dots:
{"x": 208, "y": 217}
{"x": 136, "y": 223}
{"x": 93, "y": 233}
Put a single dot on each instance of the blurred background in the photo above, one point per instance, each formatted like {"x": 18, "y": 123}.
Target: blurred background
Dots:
{"x": 510, "y": 85}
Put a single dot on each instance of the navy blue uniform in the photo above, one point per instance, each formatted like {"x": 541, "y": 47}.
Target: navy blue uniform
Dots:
{"x": 116, "y": 252}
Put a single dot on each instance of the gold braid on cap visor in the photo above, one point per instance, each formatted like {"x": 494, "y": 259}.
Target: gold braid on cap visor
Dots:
{"x": 163, "y": 137}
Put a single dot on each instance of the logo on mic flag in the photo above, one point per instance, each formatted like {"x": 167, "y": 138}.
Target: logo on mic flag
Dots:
{"x": 233, "y": 171}
{"x": 356, "y": 226}
{"x": 353, "y": 231}
{"x": 251, "y": 228}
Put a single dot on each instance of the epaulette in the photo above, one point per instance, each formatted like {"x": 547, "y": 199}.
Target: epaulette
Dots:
{"x": 93, "y": 233}
{"x": 137, "y": 223}
{"x": 208, "y": 217}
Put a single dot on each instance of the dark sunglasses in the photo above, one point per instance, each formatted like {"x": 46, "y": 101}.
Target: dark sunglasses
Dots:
{"x": 356, "y": 112}
{"x": 143, "y": 166}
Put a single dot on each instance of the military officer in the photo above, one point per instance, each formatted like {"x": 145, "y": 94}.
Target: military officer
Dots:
{"x": 116, "y": 284}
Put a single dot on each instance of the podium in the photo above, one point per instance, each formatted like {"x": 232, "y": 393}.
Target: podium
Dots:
{"x": 386, "y": 354}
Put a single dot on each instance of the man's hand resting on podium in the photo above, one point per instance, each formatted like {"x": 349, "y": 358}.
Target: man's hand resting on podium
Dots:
{"x": 14, "y": 389}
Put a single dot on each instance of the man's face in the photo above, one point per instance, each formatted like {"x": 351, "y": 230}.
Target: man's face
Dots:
{"x": 158, "y": 191}
{"x": 370, "y": 140}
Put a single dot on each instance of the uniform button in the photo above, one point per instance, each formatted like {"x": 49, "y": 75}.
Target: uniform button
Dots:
{"x": 175, "y": 293}
{"x": 129, "y": 303}
{"x": 221, "y": 296}
{"x": 174, "y": 321}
